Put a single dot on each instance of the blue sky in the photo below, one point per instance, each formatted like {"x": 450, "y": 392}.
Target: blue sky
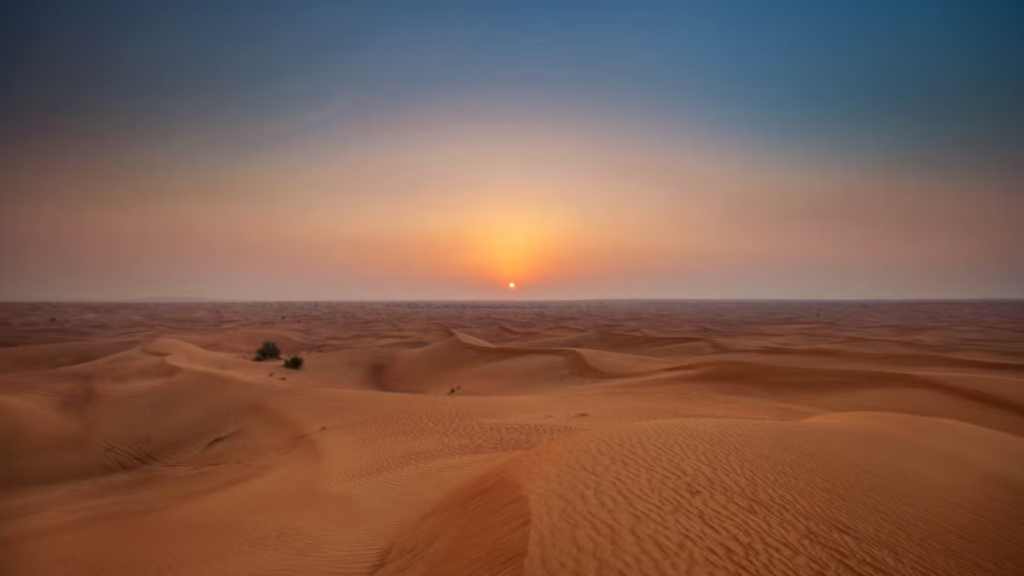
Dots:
{"x": 943, "y": 74}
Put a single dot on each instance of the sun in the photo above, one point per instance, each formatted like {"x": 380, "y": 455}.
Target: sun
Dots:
{"x": 511, "y": 285}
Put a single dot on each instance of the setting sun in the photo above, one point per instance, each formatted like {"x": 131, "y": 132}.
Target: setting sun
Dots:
{"x": 255, "y": 254}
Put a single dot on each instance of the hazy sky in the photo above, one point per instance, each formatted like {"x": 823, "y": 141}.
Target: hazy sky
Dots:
{"x": 441, "y": 149}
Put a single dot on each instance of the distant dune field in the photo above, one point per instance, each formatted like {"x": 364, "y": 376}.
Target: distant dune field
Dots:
{"x": 597, "y": 438}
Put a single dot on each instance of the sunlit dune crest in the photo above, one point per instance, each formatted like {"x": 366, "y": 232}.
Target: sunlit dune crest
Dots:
{"x": 534, "y": 288}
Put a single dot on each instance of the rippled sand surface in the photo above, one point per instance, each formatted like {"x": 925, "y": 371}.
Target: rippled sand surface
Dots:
{"x": 647, "y": 437}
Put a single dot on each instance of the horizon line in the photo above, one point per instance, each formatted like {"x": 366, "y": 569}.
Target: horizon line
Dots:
{"x": 495, "y": 300}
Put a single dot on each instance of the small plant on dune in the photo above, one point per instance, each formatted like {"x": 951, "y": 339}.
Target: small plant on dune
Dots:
{"x": 454, "y": 390}
{"x": 293, "y": 363}
{"x": 268, "y": 351}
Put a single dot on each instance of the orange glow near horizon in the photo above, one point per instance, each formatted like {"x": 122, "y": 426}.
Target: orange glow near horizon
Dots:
{"x": 448, "y": 209}
{"x": 511, "y": 241}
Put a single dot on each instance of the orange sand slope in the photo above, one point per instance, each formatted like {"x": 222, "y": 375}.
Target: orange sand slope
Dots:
{"x": 513, "y": 438}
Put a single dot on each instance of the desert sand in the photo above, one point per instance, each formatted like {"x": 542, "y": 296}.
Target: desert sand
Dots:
{"x": 646, "y": 437}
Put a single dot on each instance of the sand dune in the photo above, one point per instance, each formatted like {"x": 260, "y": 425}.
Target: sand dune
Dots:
{"x": 513, "y": 438}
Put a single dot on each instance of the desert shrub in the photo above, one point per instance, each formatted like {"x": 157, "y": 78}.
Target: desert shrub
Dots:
{"x": 268, "y": 351}
{"x": 294, "y": 363}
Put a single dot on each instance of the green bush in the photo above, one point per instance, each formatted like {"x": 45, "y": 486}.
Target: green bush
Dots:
{"x": 294, "y": 363}
{"x": 268, "y": 351}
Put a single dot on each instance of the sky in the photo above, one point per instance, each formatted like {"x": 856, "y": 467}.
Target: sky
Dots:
{"x": 414, "y": 149}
